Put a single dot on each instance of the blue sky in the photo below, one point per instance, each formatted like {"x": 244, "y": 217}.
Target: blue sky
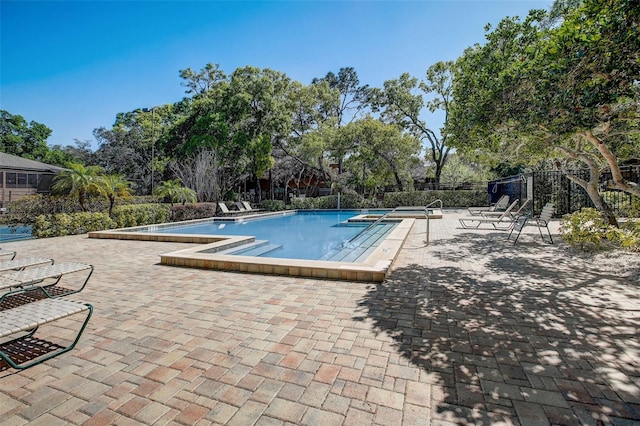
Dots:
{"x": 74, "y": 65}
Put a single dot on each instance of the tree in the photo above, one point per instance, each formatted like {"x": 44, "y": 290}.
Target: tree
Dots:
{"x": 17, "y": 137}
{"x": 382, "y": 151}
{"x": 175, "y": 191}
{"x": 77, "y": 180}
{"x": 61, "y": 155}
{"x": 113, "y": 187}
{"x": 400, "y": 105}
{"x": 347, "y": 103}
{"x": 134, "y": 146}
{"x": 540, "y": 89}
{"x": 237, "y": 118}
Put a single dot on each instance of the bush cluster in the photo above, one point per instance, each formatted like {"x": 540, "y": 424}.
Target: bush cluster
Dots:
{"x": 273, "y": 205}
{"x": 588, "y": 231}
{"x": 140, "y": 214}
{"x": 59, "y": 224}
{"x": 450, "y": 198}
{"x": 192, "y": 211}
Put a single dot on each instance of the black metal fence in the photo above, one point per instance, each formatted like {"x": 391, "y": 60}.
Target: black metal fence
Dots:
{"x": 553, "y": 186}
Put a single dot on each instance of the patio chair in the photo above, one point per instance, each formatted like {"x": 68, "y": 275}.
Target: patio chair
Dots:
{"x": 521, "y": 211}
{"x": 502, "y": 222}
{"x": 19, "y": 348}
{"x": 38, "y": 281}
{"x": 248, "y": 207}
{"x": 20, "y": 264}
{"x": 542, "y": 221}
{"x": 241, "y": 207}
{"x": 499, "y": 206}
{"x": 11, "y": 253}
{"x": 225, "y": 210}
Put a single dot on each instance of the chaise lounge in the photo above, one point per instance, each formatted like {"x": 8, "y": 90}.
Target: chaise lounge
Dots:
{"x": 502, "y": 222}
{"x": 20, "y": 264}
{"x": 499, "y": 206}
{"x": 19, "y": 348}
{"x": 35, "y": 279}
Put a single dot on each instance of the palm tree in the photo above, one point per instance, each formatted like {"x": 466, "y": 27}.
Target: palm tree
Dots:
{"x": 112, "y": 187}
{"x": 174, "y": 190}
{"x": 77, "y": 180}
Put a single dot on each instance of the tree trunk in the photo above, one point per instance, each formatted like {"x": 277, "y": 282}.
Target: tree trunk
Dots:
{"x": 618, "y": 180}
{"x": 591, "y": 186}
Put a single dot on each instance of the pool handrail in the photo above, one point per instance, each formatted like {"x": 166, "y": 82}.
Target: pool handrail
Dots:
{"x": 424, "y": 209}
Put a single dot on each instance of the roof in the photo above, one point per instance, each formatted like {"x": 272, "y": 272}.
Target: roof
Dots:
{"x": 13, "y": 162}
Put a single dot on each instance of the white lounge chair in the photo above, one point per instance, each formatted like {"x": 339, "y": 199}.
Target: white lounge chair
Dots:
{"x": 43, "y": 279}
{"x": 499, "y": 206}
{"x": 225, "y": 210}
{"x": 10, "y": 253}
{"x": 514, "y": 214}
{"x": 20, "y": 264}
{"x": 19, "y": 348}
{"x": 247, "y": 207}
{"x": 502, "y": 222}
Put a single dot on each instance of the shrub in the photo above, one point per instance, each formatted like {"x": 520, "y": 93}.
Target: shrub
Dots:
{"x": 347, "y": 201}
{"x": 588, "y": 230}
{"x": 140, "y": 214}
{"x": 273, "y": 205}
{"x": 450, "y": 198}
{"x": 627, "y": 236}
{"x": 192, "y": 211}
{"x": 60, "y": 224}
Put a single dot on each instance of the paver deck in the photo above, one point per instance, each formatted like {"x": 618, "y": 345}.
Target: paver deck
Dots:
{"x": 469, "y": 329}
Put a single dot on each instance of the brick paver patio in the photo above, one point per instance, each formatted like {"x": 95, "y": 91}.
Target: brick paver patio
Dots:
{"x": 467, "y": 330}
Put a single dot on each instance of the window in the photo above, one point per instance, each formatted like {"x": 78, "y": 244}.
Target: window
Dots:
{"x": 33, "y": 180}
{"x": 22, "y": 180}
{"x": 11, "y": 180}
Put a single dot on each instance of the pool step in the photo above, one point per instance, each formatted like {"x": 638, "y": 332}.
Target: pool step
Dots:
{"x": 256, "y": 248}
{"x": 360, "y": 247}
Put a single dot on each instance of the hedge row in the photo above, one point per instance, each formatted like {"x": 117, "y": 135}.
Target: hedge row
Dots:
{"x": 192, "y": 211}
{"x": 450, "y": 198}
{"x": 59, "y": 224}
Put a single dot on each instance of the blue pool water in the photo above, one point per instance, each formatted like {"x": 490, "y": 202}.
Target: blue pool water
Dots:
{"x": 303, "y": 235}
{"x": 12, "y": 233}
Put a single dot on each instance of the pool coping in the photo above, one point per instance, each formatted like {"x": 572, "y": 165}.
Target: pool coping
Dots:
{"x": 206, "y": 254}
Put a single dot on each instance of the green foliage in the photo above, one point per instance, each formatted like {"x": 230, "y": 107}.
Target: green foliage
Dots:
{"x": 381, "y": 154}
{"x": 564, "y": 89}
{"x": 26, "y": 209}
{"x": 17, "y": 137}
{"x": 192, "y": 211}
{"x": 113, "y": 187}
{"x": 273, "y": 205}
{"x": 347, "y": 201}
{"x": 70, "y": 224}
{"x": 140, "y": 214}
{"x": 464, "y": 198}
{"x": 399, "y": 104}
{"x": 174, "y": 190}
{"x": 633, "y": 210}
{"x": 78, "y": 181}
{"x": 589, "y": 231}
{"x": 627, "y": 236}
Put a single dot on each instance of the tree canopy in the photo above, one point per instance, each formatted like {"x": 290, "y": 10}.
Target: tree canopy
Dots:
{"x": 547, "y": 87}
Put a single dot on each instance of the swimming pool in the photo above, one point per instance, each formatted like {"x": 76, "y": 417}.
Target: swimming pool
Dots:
{"x": 13, "y": 233}
{"x": 356, "y": 255}
{"x": 318, "y": 235}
